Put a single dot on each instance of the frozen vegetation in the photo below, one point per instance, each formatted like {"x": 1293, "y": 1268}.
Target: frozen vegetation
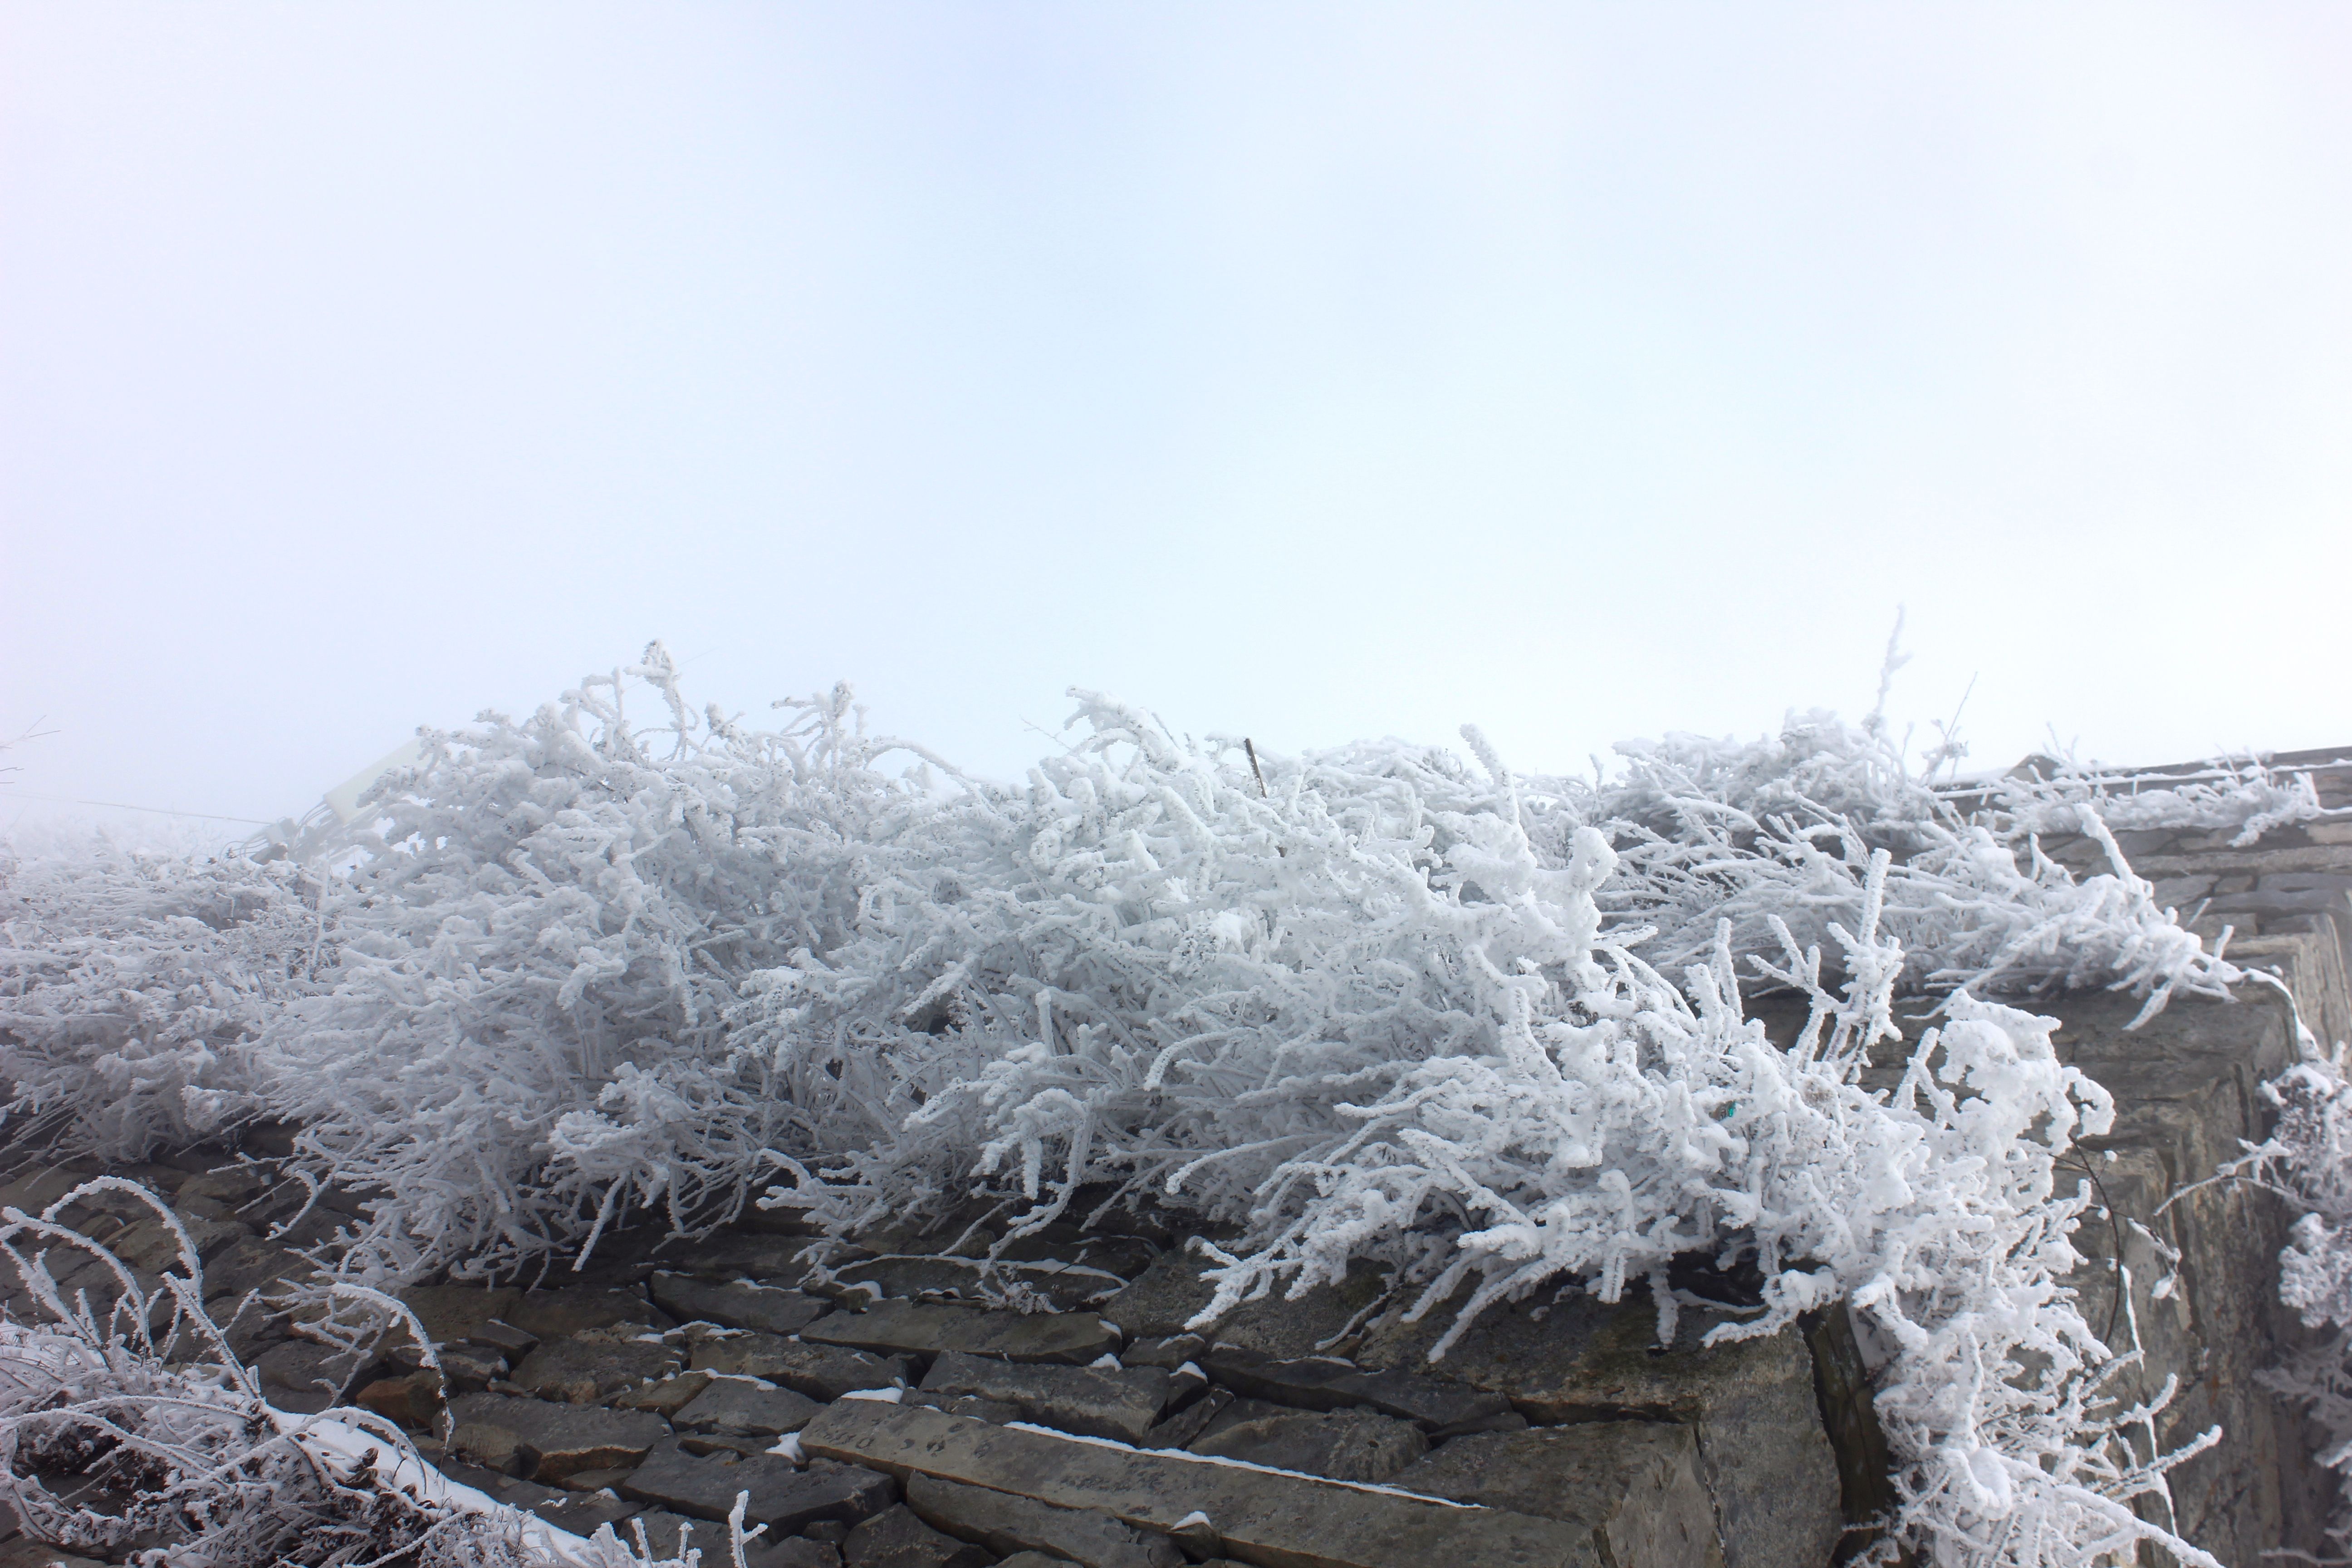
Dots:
{"x": 1387, "y": 1002}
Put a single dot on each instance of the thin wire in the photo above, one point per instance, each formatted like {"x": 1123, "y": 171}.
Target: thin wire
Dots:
{"x": 123, "y": 806}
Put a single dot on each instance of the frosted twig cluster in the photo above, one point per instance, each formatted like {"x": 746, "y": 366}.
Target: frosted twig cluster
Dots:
{"x": 1380, "y": 1002}
{"x": 130, "y": 1423}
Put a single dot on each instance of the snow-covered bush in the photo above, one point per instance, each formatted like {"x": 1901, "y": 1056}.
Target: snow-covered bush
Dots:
{"x": 134, "y": 982}
{"x": 132, "y": 1426}
{"x": 1379, "y": 1003}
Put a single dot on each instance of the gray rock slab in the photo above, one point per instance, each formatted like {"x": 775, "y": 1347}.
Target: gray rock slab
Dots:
{"x": 555, "y": 1314}
{"x": 1274, "y": 1521}
{"x": 1182, "y": 1429}
{"x": 545, "y": 1442}
{"x": 583, "y": 1372}
{"x": 451, "y": 1313}
{"x": 1067, "y": 1284}
{"x": 1318, "y": 1383}
{"x": 1166, "y": 1297}
{"x": 819, "y": 1371}
{"x": 503, "y": 1338}
{"x": 1169, "y": 1350}
{"x": 149, "y": 1244}
{"x": 304, "y": 1377}
{"x": 898, "y": 1538}
{"x": 1005, "y": 1524}
{"x": 987, "y": 1410}
{"x": 772, "y": 1260}
{"x": 1345, "y": 1445}
{"x": 793, "y": 1551}
{"x": 736, "y": 1304}
{"x": 741, "y": 1410}
{"x": 1068, "y": 1339}
{"x": 1777, "y": 1502}
{"x": 251, "y": 1264}
{"x": 1636, "y": 1482}
{"x": 1095, "y": 1402}
{"x": 784, "y": 1498}
{"x": 665, "y": 1398}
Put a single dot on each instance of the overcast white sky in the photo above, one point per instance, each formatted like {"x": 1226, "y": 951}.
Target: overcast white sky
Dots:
{"x": 1307, "y": 370}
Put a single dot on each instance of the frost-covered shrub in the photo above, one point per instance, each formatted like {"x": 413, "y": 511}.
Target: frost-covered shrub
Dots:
{"x": 132, "y": 1427}
{"x": 134, "y": 984}
{"x": 1378, "y": 1002}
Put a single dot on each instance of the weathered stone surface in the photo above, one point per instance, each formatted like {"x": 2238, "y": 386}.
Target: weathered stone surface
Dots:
{"x": 597, "y": 1481}
{"x": 231, "y": 1184}
{"x": 665, "y": 1398}
{"x": 1096, "y": 1402}
{"x": 583, "y": 1372}
{"x": 1171, "y": 1350}
{"x": 1321, "y": 1383}
{"x": 504, "y": 1337}
{"x": 305, "y": 1377}
{"x": 819, "y": 1371}
{"x": 250, "y": 1263}
{"x": 542, "y": 1441}
{"x": 740, "y": 1410}
{"x": 967, "y": 1404}
{"x": 736, "y": 1305}
{"x": 793, "y": 1551}
{"x": 24, "y": 1553}
{"x": 1068, "y": 1339}
{"x": 412, "y": 1400}
{"x": 1170, "y": 1293}
{"x": 580, "y": 1512}
{"x": 783, "y": 1499}
{"x": 1293, "y": 1522}
{"x": 896, "y": 1538}
{"x": 1778, "y": 1502}
{"x": 451, "y": 1313}
{"x": 554, "y": 1314}
{"x": 149, "y": 1244}
{"x": 1005, "y": 1524}
{"x": 1180, "y": 1430}
{"x": 2186, "y": 1088}
{"x": 1067, "y": 1284}
{"x": 468, "y": 1367}
{"x": 1345, "y": 1445}
{"x": 771, "y": 1259}
{"x": 1636, "y": 1482}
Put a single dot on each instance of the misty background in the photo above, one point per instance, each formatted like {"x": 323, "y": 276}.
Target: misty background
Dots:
{"x": 1303, "y": 371}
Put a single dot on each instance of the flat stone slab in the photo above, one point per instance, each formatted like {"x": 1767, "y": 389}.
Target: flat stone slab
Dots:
{"x": 1273, "y": 1519}
{"x": 1095, "y": 1402}
{"x": 545, "y": 1442}
{"x": 771, "y": 1259}
{"x": 583, "y": 1372}
{"x": 1322, "y": 1383}
{"x": 736, "y": 1305}
{"x": 1636, "y": 1482}
{"x": 1006, "y": 1524}
{"x": 1166, "y": 1297}
{"x": 1345, "y": 1445}
{"x": 1778, "y": 1498}
{"x": 665, "y": 1398}
{"x": 819, "y": 1371}
{"x": 1067, "y": 1339}
{"x": 784, "y": 1498}
{"x": 898, "y": 1538}
{"x": 305, "y": 1377}
{"x": 575, "y": 1310}
{"x": 452, "y": 1314}
{"x": 735, "y": 1409}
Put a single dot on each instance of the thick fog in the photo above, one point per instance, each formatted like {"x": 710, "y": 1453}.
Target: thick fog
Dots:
{"x": 1307, "y": 372}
